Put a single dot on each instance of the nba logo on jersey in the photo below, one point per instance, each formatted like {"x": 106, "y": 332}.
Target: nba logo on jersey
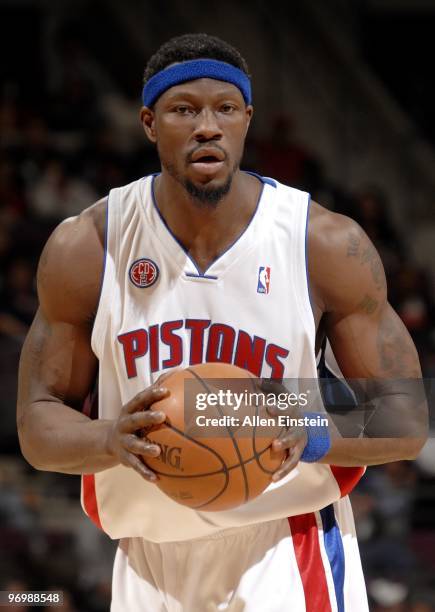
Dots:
{"x": 263, "y": 279}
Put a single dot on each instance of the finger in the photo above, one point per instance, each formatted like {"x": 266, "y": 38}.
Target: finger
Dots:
{"x": 141, "y": 420}
{"x": 139, "y": 446}
{"x": 274, "y": 411}
{"x": 139, "y": 466}
{"x": 285, "y": 468}
{"x": 293, "y": 458}
{"x": 145, "y": 398}
{"x": 287, "y": 441}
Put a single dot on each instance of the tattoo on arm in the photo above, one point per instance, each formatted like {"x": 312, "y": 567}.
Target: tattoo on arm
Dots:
{"x": 368, "y": 304}
{"x": 371, "y": 257}
{"x": 397, "y": 356}
{"x": 353, "y": 244}
{"x": 367, "y": 255}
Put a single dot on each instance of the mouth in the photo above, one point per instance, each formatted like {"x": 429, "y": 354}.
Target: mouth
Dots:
{"x": 206, "y": 154}
{"x": 207, "y": 160}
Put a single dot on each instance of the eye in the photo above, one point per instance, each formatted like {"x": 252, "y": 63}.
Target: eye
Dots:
{"x": 227, "y": 109}
{"x": 183, "y": 109}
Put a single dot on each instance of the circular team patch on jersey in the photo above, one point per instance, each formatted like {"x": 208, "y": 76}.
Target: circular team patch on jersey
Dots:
{"x": 143, "y": 273}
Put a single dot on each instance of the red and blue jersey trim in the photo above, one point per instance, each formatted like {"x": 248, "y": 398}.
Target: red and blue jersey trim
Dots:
{"x": 89, "y": 494}
{"x": 334, "y": 550}
{"x": 305, "y": 536}
{"x": 306, "y": 543}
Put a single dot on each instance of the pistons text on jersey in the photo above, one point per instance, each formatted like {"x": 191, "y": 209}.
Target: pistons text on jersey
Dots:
{"x": 204, "y": 341}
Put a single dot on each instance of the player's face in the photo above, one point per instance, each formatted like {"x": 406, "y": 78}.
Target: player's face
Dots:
{"x": 200, "y": 128}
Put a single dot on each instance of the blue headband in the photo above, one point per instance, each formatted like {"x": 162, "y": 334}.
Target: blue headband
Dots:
{"x": 191, "y": 70}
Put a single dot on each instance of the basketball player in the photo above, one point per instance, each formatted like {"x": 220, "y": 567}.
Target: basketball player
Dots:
{"x": 205, "y": 262}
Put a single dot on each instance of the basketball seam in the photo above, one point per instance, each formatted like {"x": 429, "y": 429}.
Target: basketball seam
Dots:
{"x": 224, "y": 469}
{"x": 221, "y": 471}
{"x": 236, "y": 447}
{"x": 254, "y": 439}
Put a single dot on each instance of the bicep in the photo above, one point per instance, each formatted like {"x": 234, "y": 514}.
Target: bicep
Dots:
{"x": 368, "y": 338}
{"x": 57, "y": 362}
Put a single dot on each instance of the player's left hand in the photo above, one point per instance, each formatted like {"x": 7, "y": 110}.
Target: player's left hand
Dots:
{"x": 293, "y": 439}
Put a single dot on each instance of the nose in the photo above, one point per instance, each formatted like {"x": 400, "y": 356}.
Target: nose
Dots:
{"x": 207, "y": 126}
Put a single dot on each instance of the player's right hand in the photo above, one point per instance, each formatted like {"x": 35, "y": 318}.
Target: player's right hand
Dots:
{"x": 124, "y": 441}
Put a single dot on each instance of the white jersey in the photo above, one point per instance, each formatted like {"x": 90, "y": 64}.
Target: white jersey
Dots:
{"x": 157, "y": 311}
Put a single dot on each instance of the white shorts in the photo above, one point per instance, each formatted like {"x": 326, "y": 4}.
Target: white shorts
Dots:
{"x": 307, "y": 563}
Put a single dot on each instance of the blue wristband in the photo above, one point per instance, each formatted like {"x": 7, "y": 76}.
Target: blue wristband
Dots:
{"x": 319, "y": 442}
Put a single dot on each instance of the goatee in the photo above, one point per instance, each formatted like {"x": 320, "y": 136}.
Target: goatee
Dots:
{"x": 207, "y": 196}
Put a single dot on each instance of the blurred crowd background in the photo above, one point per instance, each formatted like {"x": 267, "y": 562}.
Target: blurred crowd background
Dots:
{"x": 344, "y": 110}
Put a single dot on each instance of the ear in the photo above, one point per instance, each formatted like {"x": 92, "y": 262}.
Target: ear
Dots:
{"x": 147, "y": 119}
{"x": 249, "y": 113}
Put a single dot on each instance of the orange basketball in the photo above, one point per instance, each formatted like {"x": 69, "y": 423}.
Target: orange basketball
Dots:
{"x": 216, "y": 450}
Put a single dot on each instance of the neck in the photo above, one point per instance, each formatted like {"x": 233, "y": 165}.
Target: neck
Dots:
{"x": 207, "y": 231}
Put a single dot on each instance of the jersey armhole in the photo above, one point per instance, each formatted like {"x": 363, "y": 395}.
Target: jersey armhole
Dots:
{"x": 106, "y": 283}
{"x": 301, "y": 271}
{"x": 307, "y": 273}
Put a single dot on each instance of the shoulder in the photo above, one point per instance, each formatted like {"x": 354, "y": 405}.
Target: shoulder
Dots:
{"x": 332, "y": 239}
{"x": 71, "y": 266}
{"x": 327, "y": 229}
{"x": 342, "y": 259}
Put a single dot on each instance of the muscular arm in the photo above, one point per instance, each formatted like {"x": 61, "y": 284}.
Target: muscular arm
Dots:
{"x": 368, "y": 339}
{"x": 58, "y": 367}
